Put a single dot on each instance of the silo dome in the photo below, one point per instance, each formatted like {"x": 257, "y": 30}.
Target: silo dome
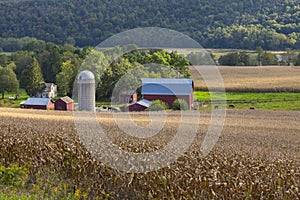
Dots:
{"x": 86, "y": 76}
{"x": 86, "y": 90}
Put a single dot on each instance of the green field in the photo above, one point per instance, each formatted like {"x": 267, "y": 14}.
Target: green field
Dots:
{"x": 261, "y": 101}
{"x": 13, "y": 103}
{"x": 240, "y": 100}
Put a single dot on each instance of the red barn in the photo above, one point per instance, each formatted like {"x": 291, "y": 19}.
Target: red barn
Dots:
{"x": 168, "y": 90}
{"x": 141, "y": 105}
{"x": 38, "y": 103}
{"x": 64, "y": 103}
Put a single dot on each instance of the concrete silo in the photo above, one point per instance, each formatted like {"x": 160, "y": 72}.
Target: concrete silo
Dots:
{"x": 86, "y": 91}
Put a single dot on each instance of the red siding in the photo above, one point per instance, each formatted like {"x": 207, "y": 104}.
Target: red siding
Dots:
{"x": 70, "y": 106}
{"x": 136, "y": 107}
{"x": 134, "y": 98}
{"x": 40, "y": 107}
{"x": 169, "y": 99}
{"x": 61, "y": 105}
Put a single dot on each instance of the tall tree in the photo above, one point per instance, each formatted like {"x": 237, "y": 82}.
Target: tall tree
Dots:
{"x": 32, "y": 78}
{"x": 8, "y": 80}
{"x": 65, "y": 77}
{"x": 22, "y": 59}
{"x": 260, "y": 52}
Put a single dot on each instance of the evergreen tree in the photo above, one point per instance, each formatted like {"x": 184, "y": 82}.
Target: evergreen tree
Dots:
{"x": 32, "y": 78}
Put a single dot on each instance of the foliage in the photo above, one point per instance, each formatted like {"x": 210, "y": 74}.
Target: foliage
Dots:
{"x": 125, "y": 73}
{"x": 8, "y": 80}
{"x": 180, "y": 104}
{"x": 161, "y": 58}
{"x": 32, "y": 78}
{"x": 158, "y": 105}
{"x": 231, "y": 59}
{"x": 297, "y": 62}
{"x": 14, "y": 175}
{"x": 10, "y": 44}
{"x": 66, "y": 78}
{"x": 245, "y": 59}
{"x": 224, "y": 24}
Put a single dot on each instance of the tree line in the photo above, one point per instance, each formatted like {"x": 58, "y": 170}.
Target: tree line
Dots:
{"x": 238, "y": 24}
{"x": 39, "y": 62}
{"x": 115, "y": 69}
{"x": 259, "y": 57}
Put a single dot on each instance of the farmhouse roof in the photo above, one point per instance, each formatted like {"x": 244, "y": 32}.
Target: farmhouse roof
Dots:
{"x": 67, "y": 99}
{"x": 37, "y": 101}
{"x": 143, "y": 102}
{"x": 167, "y": 86}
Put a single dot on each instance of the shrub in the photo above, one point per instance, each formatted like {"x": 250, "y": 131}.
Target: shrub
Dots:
{"x": 14, "y": 175}
{"x": 158, "y": 105}
{"x": 180, "y": 104}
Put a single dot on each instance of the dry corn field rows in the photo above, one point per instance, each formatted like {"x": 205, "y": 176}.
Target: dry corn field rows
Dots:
{"x": 256, "y": 157}
{"x": 258, "y": 78}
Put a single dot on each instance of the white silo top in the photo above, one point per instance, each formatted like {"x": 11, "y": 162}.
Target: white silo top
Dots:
{"x": 86, "y": 76}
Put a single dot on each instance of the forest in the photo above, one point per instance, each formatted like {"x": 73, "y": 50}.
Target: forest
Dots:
{"x": 239, "y": 24}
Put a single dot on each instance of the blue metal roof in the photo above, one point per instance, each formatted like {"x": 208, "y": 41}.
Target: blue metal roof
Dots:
{"x": 37, "y": 101}
{"x": 167, "y": 86}
{"x": 143, "y": 102}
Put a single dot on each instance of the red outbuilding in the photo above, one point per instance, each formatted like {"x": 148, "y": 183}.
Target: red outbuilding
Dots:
{"x": 141, "y": 105}
{"x": 64, "y": 103}
{"x": 38, "y": 103}
{"x": 168, "y": 90}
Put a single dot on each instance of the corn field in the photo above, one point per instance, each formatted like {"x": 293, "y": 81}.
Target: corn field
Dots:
{"x": 254, "y": 78}
{"x": 256, "y": 157}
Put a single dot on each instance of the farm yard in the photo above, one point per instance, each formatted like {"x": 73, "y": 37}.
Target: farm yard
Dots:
{"x": 257, "y": 156}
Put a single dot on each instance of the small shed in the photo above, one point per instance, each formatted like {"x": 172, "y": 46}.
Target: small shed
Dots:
{"x": 38, "y": 103}
{"x": 129, "y": 96}
{"x": 64, "y": 103}
{"x": 141, "y": 105}
{"x": 168, "y": 90}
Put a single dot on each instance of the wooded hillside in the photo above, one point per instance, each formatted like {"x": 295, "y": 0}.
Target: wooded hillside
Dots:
{"x": 242, "y": 24}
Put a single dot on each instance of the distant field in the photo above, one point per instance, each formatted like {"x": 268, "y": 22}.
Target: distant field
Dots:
{"x": 255, "y": 79}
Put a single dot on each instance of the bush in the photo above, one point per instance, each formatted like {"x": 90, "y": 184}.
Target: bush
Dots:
{"x": 180, "y": 104}
{"x": 158, "y": 105}
{"x": 14, "y": 175}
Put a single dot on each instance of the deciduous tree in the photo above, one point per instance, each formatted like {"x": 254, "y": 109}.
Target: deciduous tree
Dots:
{"x": 8, "y": 80}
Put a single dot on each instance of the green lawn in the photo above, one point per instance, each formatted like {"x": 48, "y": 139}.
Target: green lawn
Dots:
{"x": 263, "y": 101}
{"x": 13, "y": 103}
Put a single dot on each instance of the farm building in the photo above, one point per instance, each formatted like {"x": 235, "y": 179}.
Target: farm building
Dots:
{"x": 50, "y": 91}
{"x": 64, "y": 103}
{"x": 141, "y": 105}
{"x": 126, "y": 97}
{"x": 38, "y": 103}
{"x": 168, "y": 90}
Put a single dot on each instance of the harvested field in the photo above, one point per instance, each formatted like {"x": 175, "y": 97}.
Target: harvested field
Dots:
{"x": 257, "y": 156}
{"x": 256, "y": 79}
